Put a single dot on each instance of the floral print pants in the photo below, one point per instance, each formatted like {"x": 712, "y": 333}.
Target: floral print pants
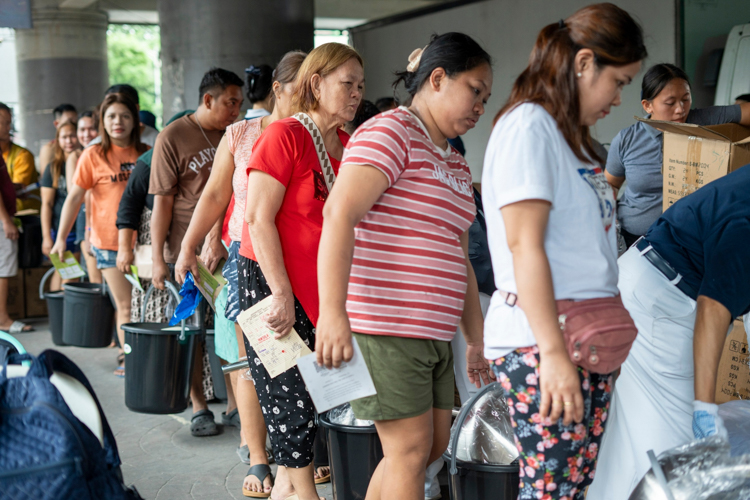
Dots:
{"x": 556, "y": 461}
{"x": 286, "y": 405}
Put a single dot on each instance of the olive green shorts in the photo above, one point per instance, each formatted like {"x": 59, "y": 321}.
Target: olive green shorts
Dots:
{"x": 411, "y": 376}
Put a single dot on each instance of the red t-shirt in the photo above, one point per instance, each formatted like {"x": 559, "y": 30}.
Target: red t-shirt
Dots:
{"x": 286, "y": 151}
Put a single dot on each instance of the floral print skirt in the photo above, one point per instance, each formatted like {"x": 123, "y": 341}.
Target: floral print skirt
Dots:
{"x": 557, "y": 462}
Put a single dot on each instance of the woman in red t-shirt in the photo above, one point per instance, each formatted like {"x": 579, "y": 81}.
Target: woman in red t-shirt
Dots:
{"x": 104, "y": 169}
{"x": 286, "y": 191}
{"x": 394, "y": 265}
{"x": 228, "y": 177}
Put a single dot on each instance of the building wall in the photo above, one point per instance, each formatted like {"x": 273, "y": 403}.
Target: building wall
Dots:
{"x": 508, "y": 29}
{"x": 9, "y": 80}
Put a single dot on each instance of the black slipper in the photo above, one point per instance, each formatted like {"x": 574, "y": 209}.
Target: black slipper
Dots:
{"x": 260, "y": 471}
{"x": 231, "y": 419}
{"x": 202, "y": 424}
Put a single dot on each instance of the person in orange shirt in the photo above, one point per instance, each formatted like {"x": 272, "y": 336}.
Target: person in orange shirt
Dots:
{"x": 20, "y": 162}
{"x": 104, "y": 169}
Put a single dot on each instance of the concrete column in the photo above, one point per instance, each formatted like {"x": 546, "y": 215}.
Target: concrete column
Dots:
{"x": 62, "y": 59}
{"x": 197, "y": 35}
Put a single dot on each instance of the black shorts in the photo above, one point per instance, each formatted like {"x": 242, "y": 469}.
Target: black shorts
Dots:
{"x": 286, "y": 405}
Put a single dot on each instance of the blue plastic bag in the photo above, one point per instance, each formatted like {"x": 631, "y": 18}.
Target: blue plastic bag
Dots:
{"x": 191, "y": 297}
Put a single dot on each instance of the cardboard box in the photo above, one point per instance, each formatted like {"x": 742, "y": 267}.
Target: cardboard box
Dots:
{"x": 16, "y": 308}
{"x": 694, "y": 155}
{"x": 35, "y": 307}
{"x": 733, "y": 377}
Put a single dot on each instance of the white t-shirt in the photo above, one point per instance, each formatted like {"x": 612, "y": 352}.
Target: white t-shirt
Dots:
{"x": 528, "y": 158}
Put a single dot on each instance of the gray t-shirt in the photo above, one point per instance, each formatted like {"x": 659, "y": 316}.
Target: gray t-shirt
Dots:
{"x": 636, "y": 154}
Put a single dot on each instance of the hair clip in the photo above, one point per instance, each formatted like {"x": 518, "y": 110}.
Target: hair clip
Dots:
{"x": 562, "y": 24}
{"x": 252, "y": 69}
{"x": 414, "y": 58}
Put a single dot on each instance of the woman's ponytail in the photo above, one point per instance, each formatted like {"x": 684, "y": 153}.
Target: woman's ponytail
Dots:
{"x": 550, "y": 78}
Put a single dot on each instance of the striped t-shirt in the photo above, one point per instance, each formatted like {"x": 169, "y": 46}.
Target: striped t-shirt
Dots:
{"x": 408, "y": 276}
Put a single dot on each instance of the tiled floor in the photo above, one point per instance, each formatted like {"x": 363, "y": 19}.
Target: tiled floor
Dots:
{"x": 159, "y": 455}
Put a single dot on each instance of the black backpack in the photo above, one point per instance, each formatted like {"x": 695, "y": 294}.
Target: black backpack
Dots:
{"x": 45, "y": 451}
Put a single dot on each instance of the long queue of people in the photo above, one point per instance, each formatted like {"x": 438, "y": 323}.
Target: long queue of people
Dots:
{"x": 389, "y": 256}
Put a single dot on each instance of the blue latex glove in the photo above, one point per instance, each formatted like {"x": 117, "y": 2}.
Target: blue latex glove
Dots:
{"x": 706, "y": 420}
{"x": 191, "y": 297}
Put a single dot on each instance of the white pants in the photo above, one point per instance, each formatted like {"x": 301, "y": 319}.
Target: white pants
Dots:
{"x": 652, "y": 405}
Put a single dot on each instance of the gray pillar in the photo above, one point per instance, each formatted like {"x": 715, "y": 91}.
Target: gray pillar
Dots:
{"x": 62, "y": 59}
{"x": 197, "y": 35}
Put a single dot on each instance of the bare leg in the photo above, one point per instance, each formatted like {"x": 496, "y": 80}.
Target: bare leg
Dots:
{"x": 283, "y": 488}
{"x": 231, "y": 382}
{"x": 121, "y": 291}
{"x": 55, "y": 283}
{"x": 408, "y": 446}
{"x": 196, "y": 383}
{"x": 4, "y": 317}
{"x": 254, "y": 430}
{"x": 95, "y": 276}
{"x": 303, "y": 482}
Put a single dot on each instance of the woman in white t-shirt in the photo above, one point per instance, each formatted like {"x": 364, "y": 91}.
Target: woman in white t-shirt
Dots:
{"x": 393, "y": 265}
{"x": 550, "y": 215}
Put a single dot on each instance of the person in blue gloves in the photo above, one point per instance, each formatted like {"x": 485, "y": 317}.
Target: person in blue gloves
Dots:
{"x": 683, "y": 283}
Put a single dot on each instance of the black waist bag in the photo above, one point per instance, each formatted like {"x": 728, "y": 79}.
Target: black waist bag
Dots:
{"x": 45, "y": 451}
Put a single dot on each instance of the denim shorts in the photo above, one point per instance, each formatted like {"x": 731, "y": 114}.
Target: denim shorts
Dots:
{"x": 105, "y": 259}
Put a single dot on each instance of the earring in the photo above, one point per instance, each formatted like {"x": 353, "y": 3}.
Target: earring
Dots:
{"x": 579, "y": 74}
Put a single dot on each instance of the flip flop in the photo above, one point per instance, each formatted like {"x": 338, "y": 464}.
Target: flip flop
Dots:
{"x": 261, "y": 472}
{"x": 202, "y": 424}
{"x": 323, "y": 479}
{"x": 119, "y": 372}
{"x": 18, "y": 327}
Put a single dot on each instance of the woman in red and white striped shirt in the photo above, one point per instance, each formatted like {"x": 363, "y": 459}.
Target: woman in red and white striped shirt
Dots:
{"x": 393, "y": 265}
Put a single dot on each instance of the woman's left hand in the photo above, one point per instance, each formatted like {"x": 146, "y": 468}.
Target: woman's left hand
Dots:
{"x": 333, "y": 340}
{"x": 280, "y": 317}
{"x": 477, "y": 367}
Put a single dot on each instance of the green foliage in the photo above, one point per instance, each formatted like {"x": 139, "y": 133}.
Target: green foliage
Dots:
{"x": 133, "y": 52}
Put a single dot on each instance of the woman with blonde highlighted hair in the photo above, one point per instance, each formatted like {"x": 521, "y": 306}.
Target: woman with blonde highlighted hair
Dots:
{"x": 289, "y": 178}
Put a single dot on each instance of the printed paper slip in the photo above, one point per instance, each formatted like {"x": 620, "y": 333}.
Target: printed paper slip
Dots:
{"x": 69, "y": 268}
{"x": 210, "y": 284}
{"x": 279, "y": 355}
{"x": 329, "y": 388}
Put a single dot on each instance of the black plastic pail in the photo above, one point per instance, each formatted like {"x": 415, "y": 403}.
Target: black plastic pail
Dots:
{"x": 476, "y": 481}
{"x": 55, "y": 306}
{"x": 157, "y": 367}
{"x": 87, "y": 315}
{"x": 482, "y": 481}
{"x": 353, "y": 454}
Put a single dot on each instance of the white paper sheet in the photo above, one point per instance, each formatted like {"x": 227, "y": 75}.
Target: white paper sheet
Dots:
{"x": 329, "y": 388}
{"x": 277, "y": 355}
